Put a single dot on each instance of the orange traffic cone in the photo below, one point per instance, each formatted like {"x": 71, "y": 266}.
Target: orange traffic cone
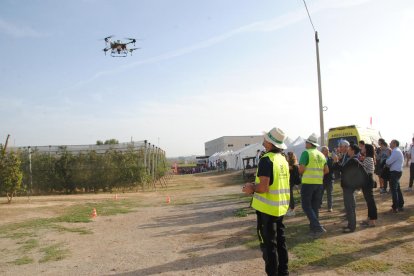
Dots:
{"x": 168, "y": 199}
{"x": 94, "y": 214}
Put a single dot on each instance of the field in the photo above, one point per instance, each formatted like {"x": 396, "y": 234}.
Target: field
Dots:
{"x": 205, "y": 228}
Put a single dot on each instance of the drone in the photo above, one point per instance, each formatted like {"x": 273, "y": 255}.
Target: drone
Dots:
{"x": 119, "y": 48}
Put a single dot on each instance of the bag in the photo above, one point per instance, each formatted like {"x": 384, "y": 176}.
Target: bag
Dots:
{"x": 385, "y": 174}
{"x": 295, "y": 178}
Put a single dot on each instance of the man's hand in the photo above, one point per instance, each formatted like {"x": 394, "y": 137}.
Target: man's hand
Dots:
{"x": 248, "y": 188}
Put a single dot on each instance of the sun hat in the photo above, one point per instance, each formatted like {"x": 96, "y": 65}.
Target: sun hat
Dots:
{"x": 313, "y": 140}
{"x": 275, "y": 136}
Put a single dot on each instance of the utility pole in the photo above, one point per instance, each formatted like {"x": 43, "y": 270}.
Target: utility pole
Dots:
{"x": 320, "y": 91}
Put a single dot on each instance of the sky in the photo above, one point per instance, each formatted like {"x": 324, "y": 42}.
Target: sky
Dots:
{"x": 205, "y": 69}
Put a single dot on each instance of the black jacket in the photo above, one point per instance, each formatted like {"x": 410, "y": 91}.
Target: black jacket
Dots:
{"x": 353, "y": 175}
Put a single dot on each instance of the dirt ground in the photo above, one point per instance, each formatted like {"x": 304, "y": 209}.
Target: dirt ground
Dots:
{"x": 197, "y": 233}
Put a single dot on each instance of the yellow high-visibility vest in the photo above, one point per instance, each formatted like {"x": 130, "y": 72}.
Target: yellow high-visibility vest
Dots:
{"x": 276, "y": 201}
{"x": 313, "y": 173}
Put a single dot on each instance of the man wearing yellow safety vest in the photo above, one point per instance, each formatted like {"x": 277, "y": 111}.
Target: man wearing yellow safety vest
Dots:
{"x": 312, "y": 166}
{"x": 271, "y": 194}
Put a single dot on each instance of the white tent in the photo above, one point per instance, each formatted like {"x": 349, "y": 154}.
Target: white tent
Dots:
{"x": 249, "y": 151}
{"x": 297, "y": 147}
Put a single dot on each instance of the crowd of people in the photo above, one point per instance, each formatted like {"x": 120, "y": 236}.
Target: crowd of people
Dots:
{"x": 356, "y": 166}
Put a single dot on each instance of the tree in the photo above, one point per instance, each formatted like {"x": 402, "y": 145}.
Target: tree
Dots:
{"x": 64, "y": 170}
{"x": 99, "y": 143}
{"x": 111, "y": 142}
{"x": 10, "y": 174}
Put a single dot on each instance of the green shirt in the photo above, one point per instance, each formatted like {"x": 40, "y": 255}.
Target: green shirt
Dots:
{"x": 304, "y": 158}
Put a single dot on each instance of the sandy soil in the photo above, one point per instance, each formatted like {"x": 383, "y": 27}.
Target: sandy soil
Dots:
{"x": 200, "y": 236}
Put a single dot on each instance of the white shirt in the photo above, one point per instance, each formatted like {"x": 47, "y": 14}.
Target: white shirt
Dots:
{"x": 396, "y": 160}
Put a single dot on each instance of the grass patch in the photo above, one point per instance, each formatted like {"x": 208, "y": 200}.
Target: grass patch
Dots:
{"x": 369, "y": 265}
{"x": 240, "y": 212}
{"x": 182, "y": 202}
{"x": 407, "y": 268}
{"x": 53, "y": 253}
{"x": 79, "y": 230}
{"x": 29, "y": 245}
{"x": 23, "y": 260}
{"x": 80, "y": 213}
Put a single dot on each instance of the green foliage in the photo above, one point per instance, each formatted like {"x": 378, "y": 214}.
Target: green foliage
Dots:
{"x": 23, "y": 260}
{"x": 111, "y": 142}
{"x": 90, "y": 171}
{"x": 10, "y": 174}
{"x": 53, "y": 253}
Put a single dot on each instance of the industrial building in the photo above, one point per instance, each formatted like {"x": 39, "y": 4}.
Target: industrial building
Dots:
{"x": 230, "y": 143}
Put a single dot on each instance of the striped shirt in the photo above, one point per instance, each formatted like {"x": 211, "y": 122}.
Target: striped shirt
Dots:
{"x": 368, "y": 165}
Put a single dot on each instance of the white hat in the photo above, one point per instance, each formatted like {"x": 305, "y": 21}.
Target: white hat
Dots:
{"x": 313, "y": 140}
{"x": 275, "y": 136}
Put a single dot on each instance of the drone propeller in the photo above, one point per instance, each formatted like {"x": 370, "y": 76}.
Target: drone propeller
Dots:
{"x": 106, "y": 50}
{"x": 132, "y": 40}
{"x": 108, "y": 38}
{"x": 132, "y": 49}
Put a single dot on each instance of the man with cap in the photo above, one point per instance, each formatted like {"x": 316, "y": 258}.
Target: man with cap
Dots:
{"x": 271, "y": 194}
{"x": 312, "y": 166}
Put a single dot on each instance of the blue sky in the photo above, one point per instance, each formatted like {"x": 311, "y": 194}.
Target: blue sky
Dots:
{"x": 205, "y": 69}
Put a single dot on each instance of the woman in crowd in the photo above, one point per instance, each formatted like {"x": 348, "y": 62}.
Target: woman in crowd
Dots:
{"x": 293, "y": 180}
{"x": 382, "y": 172}
{"x": 368, "y": 165}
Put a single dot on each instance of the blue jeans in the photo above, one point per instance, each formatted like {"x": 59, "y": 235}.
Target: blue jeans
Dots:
{"x": 397, "y": 197}
{"x": 311, "y": 199}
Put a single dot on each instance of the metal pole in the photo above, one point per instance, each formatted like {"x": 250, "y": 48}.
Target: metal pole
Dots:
{"x": 30, "y": 170}
{"x": 320, "y": 91}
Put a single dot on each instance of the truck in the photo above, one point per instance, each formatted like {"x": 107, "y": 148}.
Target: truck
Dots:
{"x": 353, "y": 134}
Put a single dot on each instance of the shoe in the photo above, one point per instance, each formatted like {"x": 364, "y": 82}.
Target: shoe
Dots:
{"x": 400, "y": 209}
{"x": 347, "y": 230}
{"x": 393, "y": 211}
{"x": 366, "y": 224}
{"x": 290, "y": 213}
{"x": 330, "y": 210}
{"x": 317, "y": 233}
{"x": 409, "y": 189}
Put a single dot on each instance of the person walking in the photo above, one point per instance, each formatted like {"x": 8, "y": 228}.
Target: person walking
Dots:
{"x": 312, "y": 167}
{"x": 328, "y": 180}
{"x": 411, "y": 157}
{"x": 395, "y": 162}
{"x": 271, "y": 201}
{"x": 367, "y": 189}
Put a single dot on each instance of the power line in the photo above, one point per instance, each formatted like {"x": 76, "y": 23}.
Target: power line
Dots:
{"x": 310, "y": 19}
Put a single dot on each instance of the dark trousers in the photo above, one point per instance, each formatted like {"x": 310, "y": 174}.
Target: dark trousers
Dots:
{"x": 397, "y": 197}
{"x": 271, "y": 233}
{"x": 349, "y": 203}
{"x": 311, "y": 199}
{"x": 411, "y": 174}
{"x": 328, "y": 186}
{"x": 292, "y": 200}
{"x": 369, "y": 198}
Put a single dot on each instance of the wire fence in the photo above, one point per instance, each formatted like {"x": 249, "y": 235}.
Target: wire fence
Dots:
{"x": 91, "y": 168}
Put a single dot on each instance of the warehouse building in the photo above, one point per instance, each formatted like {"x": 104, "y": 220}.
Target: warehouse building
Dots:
{"x": 230, "y": 143}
